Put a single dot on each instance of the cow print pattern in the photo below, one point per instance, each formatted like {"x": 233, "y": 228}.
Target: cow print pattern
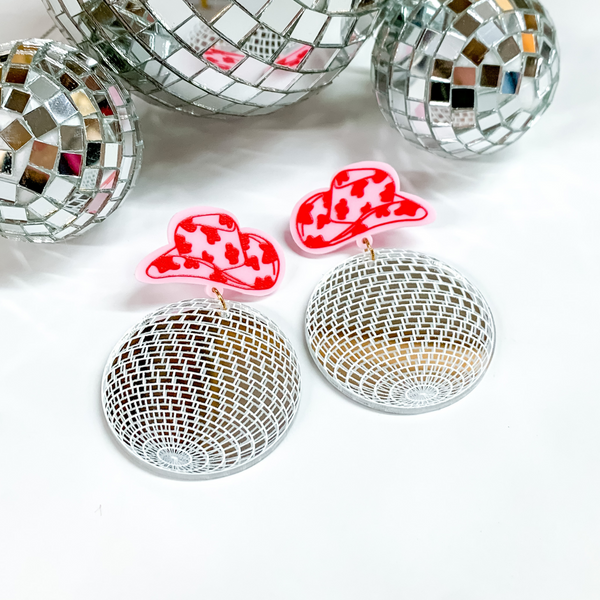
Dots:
{"x": 209, "y": 247}
{"x": 362, "y": 198}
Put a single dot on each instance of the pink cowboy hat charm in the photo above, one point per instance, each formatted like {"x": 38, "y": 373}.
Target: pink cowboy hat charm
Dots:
{"x": 363, "y": 197}
{"x": 208, "y": 246}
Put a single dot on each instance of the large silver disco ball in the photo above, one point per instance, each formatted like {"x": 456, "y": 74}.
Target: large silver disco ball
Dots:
{"x": 232, "y": 57}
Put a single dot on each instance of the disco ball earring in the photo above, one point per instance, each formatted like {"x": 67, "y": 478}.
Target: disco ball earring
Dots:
{"x": 70, "y": 147}
{"x": 462, "y": 78}
{"x": 205, "y": 388}
{"x": 395, "y": 330}
{"x": 231, "y": 57}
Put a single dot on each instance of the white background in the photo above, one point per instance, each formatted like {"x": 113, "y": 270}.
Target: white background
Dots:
{"x": 496, "y": 497}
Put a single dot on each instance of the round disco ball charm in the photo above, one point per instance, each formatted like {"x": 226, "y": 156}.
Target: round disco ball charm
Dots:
{"x": 230, "y": 57}
{"x": 70, "y": 149}
{"x": 198, "y": 390}
{"x": 403, "y": 333}
{"x": 463, "y": 77}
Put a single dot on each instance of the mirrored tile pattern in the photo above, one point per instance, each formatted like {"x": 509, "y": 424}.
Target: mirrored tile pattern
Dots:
{"x": 481, "y": 72}
{"x": 70, "y": 147}
{"x": 232, "y": 57}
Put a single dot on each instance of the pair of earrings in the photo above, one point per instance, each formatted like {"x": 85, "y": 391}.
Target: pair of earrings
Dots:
{"x": 207, "y": 387}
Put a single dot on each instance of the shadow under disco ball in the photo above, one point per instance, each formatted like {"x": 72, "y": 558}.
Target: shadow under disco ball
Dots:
{"x": 239, "y": 57}
{"x": 403, "y": 334}
{"x": 197, "y": 392}
{"x": 69, "y": 145}
{"x": 465, "y": 77}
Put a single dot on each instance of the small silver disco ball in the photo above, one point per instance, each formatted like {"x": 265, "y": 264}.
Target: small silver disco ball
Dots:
{"x": 206, "y": 57}
{"x": 463, "y": 78}
{"x": 198, "y": 392}
{"x": 403, "y": 334}
{"x": 70, "y": 148}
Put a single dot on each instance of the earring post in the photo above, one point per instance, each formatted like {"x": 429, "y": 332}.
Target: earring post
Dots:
{"x": 369, "y": 248}
{"x": 220, "y": 298}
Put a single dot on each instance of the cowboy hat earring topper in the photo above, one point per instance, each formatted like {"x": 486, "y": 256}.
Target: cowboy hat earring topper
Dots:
{"x": 207, "y": 245}
{"x": 395, "y": 330}
{"x": 206, "y": 387}
{"x": 362, "y": 197}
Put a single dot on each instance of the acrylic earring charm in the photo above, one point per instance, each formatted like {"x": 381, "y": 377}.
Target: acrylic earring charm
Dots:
{"x": 462, "y": 78}
{"x": 207, "y": 387}
{"x": 392, "y": 329}
{"x": 70, "y": 147}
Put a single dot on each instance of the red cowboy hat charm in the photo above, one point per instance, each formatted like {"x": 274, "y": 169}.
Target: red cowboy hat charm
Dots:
{"x": 363, "y": 197}
{"x": 208, "y": 246}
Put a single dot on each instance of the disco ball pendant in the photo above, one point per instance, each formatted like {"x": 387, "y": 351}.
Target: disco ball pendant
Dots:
{"x": 205, "y": 388}
{"x": 209, "y": 57}
{"x": 394, "y": 330}
{"x": 403, "y": 333}
{"x": 70, "y": 149}
{"x": 198, "y": 391}
{"x": 462, "y": 78}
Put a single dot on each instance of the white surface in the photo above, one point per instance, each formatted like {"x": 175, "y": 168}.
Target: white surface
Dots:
{"x": 493, "y": 498}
